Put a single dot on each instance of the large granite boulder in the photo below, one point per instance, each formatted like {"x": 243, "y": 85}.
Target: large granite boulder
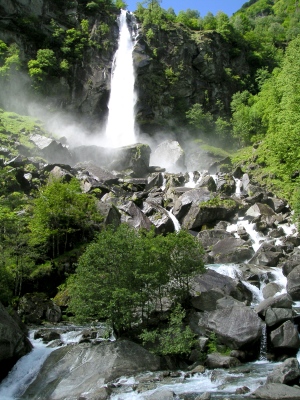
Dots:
{"x": 185, "y": 201}
{"x": 35, "y": 308}
{"x": 71, "y": 371}
{"x": 231, "y": 250}
{"x": 135, "y": 157}
{"x": 285, "y": 337}
{"x": 293, "y": 283}
{"x": 13, "y": 342}
{"x": 239, "y": 328}
{"x": 276, "y": 316}
{"x": 52, "y": 150}
{"x": 277, "y": 391}
{"x": 282, "y": 301}
{"x": 291, "y": 262}
{"x": 159, "y": 217}
{"x": 268, "y": 255}
{"x": 132, "y": 215}
{"x": 226, "y": 184}
{"x": 211, "y": 286}
{"x": 216, "y": 360}
{"x": 288, "y": 372}
{"x": 209, "y": 237}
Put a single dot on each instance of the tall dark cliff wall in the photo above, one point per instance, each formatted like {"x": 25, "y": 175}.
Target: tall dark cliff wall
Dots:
{"x": 175, "y": 68}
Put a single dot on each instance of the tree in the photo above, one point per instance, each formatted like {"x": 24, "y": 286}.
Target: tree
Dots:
{"x": 45, "y": 62}
{"x": 63, "y": 216}
{"x": 199, "y": 119}
{"x": 124, "y": 273}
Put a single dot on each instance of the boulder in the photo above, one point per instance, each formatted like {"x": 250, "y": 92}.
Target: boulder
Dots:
{"x": 207, "y": 181}
{"x": 159, "y": 217}
{"x": 239, "y": 328}
{"x": 169, "y": 155}
{"x": 271, "y": 289}
{"x": 216, "y": 360}
{"x": 208, "y": 213}
{"x": 267, "y": 254}
{"x": 211, "y": 286}
{"x": 276, "y": 316}
{"x": 36, "y": 307}
{"x": 135, "y": 157}
{"x": 71, "y": 371}
{"x": 258, "y": 210}
{"x": 92, "y": 172}
{"x": 185, "y": 201}
{"x": 58, "y": 173}
{"x": 111, "y": 215}
{"x": 13, "y": 342}
{"x": 226, "y": 184}
{"x": 160, "y": 395}
{"x": 293, "y": 283}
{"x": 231, "y": 250}
{"x": 277, "y": 391}
{"x": 292, "y": 261}
{"x": 133, "y": 216}
{"x": 285, "y": 337}
{"x": 52, "y": 150}
{"x": 288, "y": 372}
{"x": 209, "y": 237}
{"x": 228, "y": 302}
{"x": 281, "y": 301}
{"x": 154, "y": 180}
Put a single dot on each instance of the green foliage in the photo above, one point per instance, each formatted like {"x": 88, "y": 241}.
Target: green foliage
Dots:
{"x": 189, "y": 18}
{"x": 173, "y": 340}
{"x": 43, "y": 64}
{"x": 63, "y": 216}
{"x": 120, "y": 4}
{"x": 199, "y": 119}
{"x": 9, "y": 58}
{"x": 124, "y": 274}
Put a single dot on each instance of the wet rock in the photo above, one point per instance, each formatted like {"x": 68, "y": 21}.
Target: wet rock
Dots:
{"x": 288, "y": 372}
{"x": 267, "y": 255}
{"x": 154, "y": 180}
{"x": 242, "y": 390}
{"x": 47, "y": 335}
{"x": 277, "y": 391}
{"x": 281, "y": 301}
{"x": 293, "y": 283}
{"x": 228, "y": 302}
{"x": 258, "y": 210}
{"x": 204, "y": 396}
{"x": 135, "y": 157}
{"x": 209, "y": 287}
{"x": 216, "y": 360}
{"x": 158, "y": 216}
{"x": 13, "y": 342}
{"x": 285, "y": 337}
{"x": 271, "y": 289}
{"x": 66, "y": 374}
{"x": 160, "y": 395}
{"x": 111, "y": 215}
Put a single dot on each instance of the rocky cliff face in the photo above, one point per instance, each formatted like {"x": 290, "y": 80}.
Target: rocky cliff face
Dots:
{"x": 175, "y": 67}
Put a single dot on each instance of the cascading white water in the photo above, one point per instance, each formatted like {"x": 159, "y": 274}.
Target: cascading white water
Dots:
{"x": 120, "y": 128}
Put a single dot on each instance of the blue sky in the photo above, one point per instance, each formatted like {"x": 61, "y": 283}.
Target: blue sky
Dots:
{"x": 203, "y": 6}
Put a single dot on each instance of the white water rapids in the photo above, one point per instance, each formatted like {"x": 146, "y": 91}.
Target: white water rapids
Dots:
{"x": 120, "y": 128}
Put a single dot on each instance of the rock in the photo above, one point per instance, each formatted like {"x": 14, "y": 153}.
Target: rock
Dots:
{"x": 159, "y": 217}
{"x": 13, "y": 342}
{"x": 293, "y": 283}
{"x": 211, "y": 286}
{"x": 66, "y": 374}
{"x": 216, "y": 360}
{"x": 36, "y": 307}
{"x": 226, "y": 184}
{"x": 281, "y": 301}
{"x": 169, "y": 155}
{"x": 52, "y": 150}
{"x": 154, "y": 180}
{"x": 135, "y": 157}
{"x": 288, "y": 372}
{"x": 210, "y": 237}
{"x": 204, "y": 396}
{"x": 267, "y": 255}
{"x": 228, "y": 302}
{"x": 277, "y": 205}
{"x": 207, "y": 181}
{"x": 242, "y": 390}
{"x": 239, "y": 328}
{"x": 47, "y": 335}
{"x": 291, "y": 262}
{"x": 271, "y": 289}
{"x": 161, "y": 395}
{"x": 111, "y": 215}
{"x": 184, "y": 202}
{"x": 258, "y": 210}
{"x": 208, "y": 213}
{"x": 231, "y": 250}
{"x": 91, "y": 172}
{"x": 277, "y": 391}
{"x": 285, "y": 337}
{"x": 133, "y": 216}
{"x": 276, "y": 316}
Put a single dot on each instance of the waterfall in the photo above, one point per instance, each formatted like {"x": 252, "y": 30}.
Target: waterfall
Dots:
{"x": 120, "y": 128}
